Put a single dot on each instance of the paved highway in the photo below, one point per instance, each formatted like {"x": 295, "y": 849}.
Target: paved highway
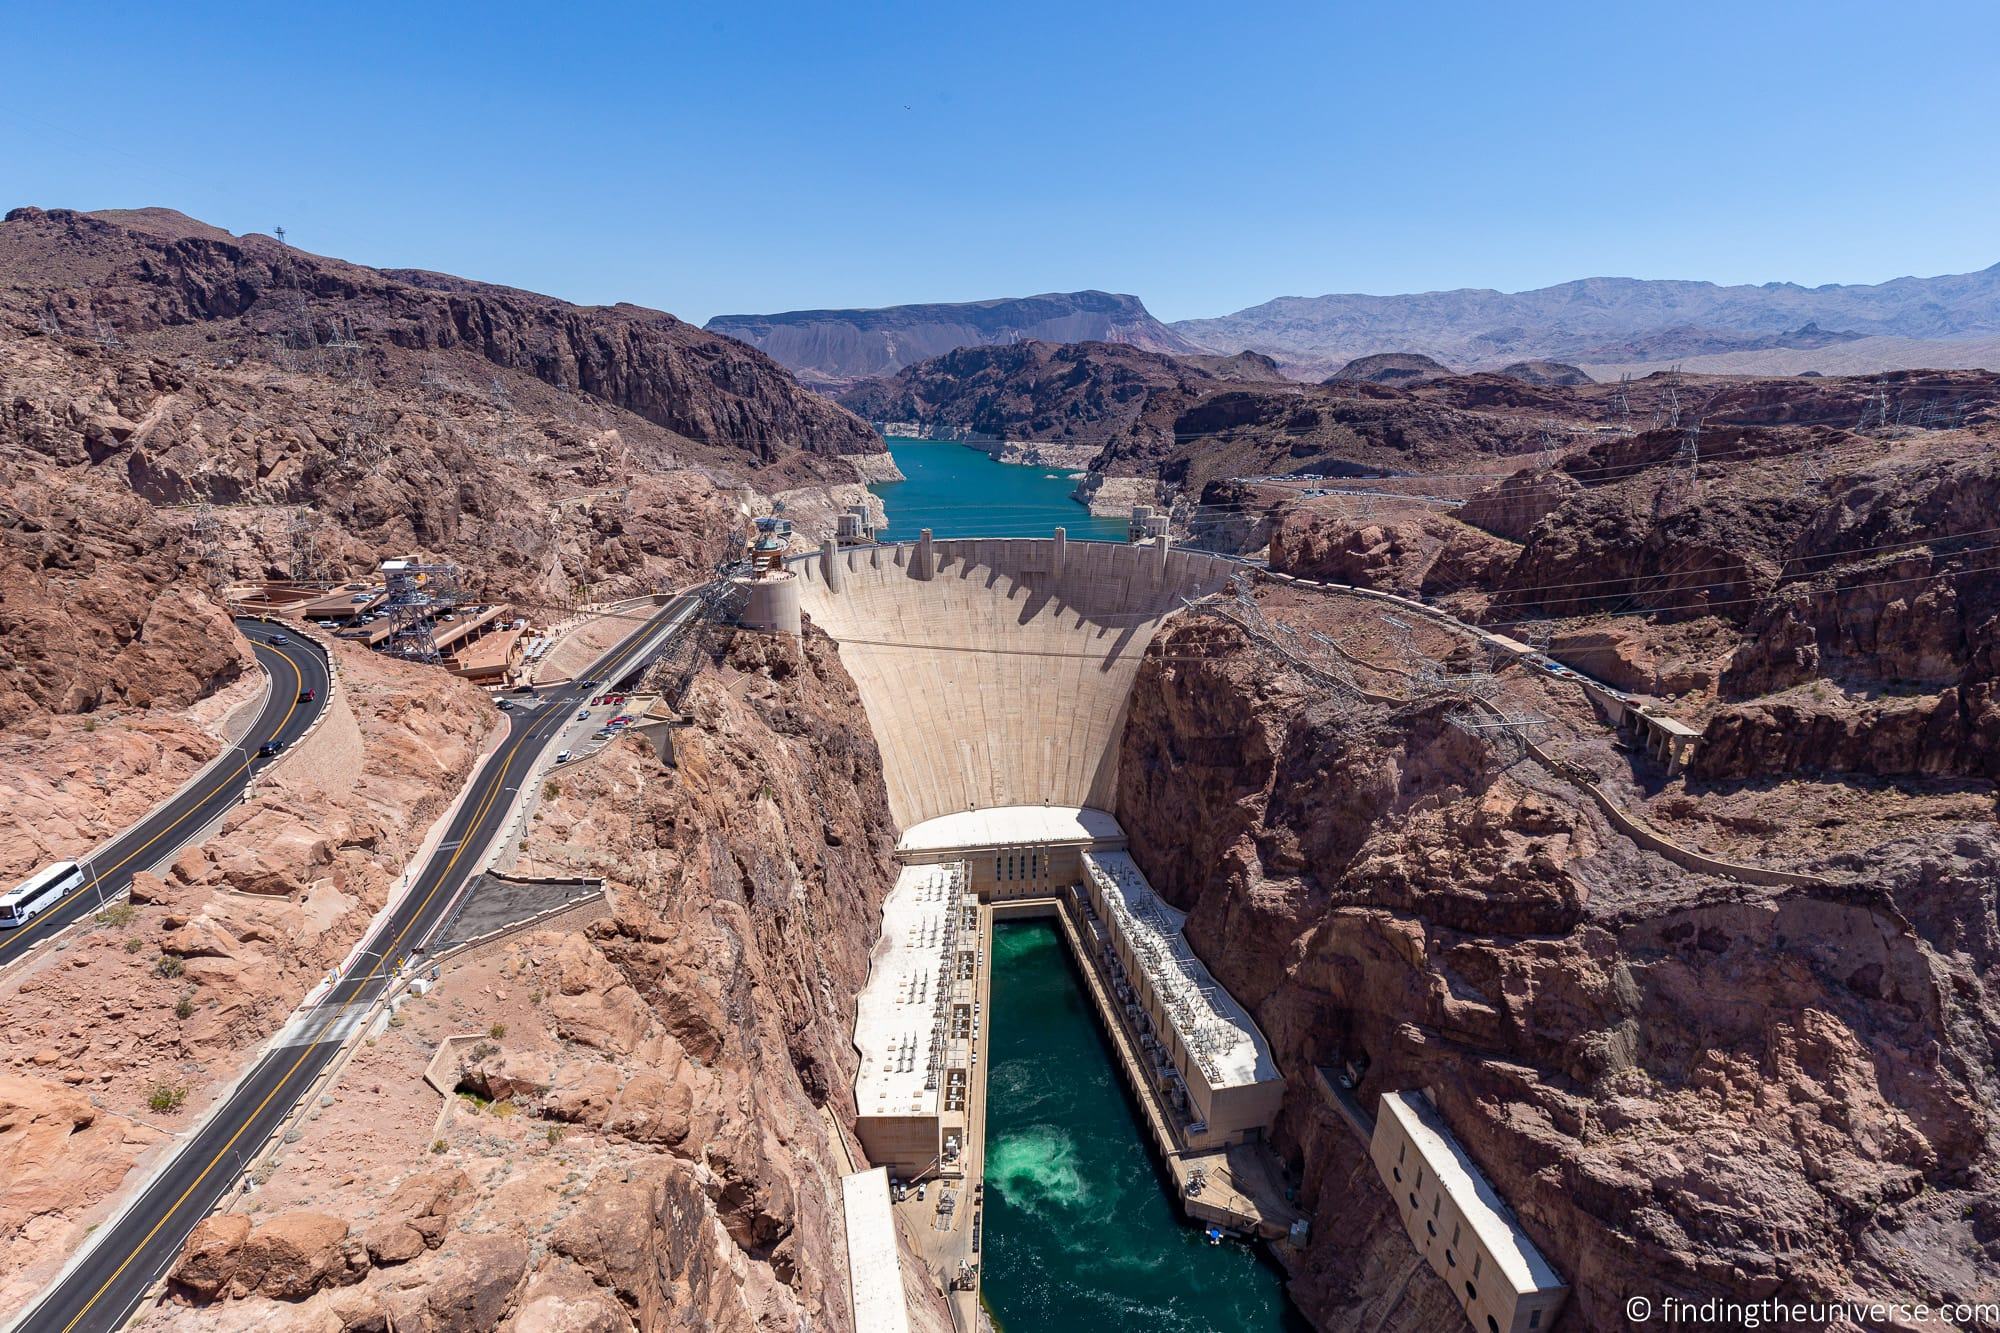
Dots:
{"x": 124, "y": 1257}
{"x": 295, "y": 665}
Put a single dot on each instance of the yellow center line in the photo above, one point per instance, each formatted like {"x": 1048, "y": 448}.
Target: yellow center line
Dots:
{"x": 97, "y": 876}
{"x": 493, "y": 786}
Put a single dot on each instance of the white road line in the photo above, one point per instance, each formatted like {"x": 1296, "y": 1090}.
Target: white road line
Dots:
{"x": 310, "y": 1028}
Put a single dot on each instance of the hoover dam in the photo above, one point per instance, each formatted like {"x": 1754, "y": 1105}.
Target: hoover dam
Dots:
{"x": 995, "y": 672}
{"x": 995, "y": 675}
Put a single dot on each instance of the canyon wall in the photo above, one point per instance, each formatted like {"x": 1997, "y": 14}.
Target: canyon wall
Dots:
{"x": 642, "y": 1136}
{"x": 1682, "y": 1085}
{"x": 993, "y": 678}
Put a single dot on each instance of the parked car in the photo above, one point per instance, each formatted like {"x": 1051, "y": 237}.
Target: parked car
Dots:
{"x": 563, "y": 757}
{"x": 584, "y": 716}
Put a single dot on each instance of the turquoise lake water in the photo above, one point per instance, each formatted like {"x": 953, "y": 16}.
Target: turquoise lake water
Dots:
{"x": 1082, "y": 1231}
{"x": 960, "y": 492}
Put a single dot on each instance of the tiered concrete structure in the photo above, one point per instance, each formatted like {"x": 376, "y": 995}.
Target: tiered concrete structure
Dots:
{"x": 995, "y": 673}
{"x": 914, "y": 1025}
{"x": 1460, "y": 1224}
{"x": 1207, "y": 1055}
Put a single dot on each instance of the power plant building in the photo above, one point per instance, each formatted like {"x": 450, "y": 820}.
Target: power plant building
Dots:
{"x": 914, "y": 1022}
{"x": 1460, "y": 1223}
{"x": 1216, "y": 1065}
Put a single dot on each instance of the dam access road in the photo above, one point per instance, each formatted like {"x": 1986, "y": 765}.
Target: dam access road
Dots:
{"x": 296, "y": 666}
{"x": 107, "y": 1280}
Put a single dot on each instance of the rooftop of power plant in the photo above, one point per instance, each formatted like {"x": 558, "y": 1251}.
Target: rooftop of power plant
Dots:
{"x": 898, "y": 1022}
{"x": 1215, "y": 1029}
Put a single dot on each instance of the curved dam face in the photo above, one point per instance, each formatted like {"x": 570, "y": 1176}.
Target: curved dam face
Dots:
{"x": 995, "y": 672}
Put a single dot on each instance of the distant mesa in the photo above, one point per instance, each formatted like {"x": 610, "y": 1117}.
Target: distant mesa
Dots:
{"x": 1545, "y": 372}
{"x": 1390, "y": 368}
{"x": 835, "y": 348}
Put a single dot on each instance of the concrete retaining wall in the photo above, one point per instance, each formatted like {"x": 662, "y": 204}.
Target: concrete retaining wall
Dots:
{"x": 572, "y": 916}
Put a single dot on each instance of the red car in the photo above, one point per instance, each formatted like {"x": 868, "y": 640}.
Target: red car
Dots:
{"x": 307, "y": 696}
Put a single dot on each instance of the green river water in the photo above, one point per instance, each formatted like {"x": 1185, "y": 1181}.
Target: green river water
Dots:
{"x": 1082, "y": 1231}
{"x": 956, "y": 491}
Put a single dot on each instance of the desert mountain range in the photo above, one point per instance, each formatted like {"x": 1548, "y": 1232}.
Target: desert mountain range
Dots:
{"x": 1609, "y": 326}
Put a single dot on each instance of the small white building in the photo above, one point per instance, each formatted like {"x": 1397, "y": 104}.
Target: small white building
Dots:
{"x": 874, "y": 1261}
{"x": 1460, "y": 1223}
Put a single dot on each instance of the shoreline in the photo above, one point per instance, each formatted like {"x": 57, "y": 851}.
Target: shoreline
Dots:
{"x": 951, "y": 510}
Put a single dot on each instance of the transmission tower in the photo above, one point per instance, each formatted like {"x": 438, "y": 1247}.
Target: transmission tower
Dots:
{"x": 343, "y": 351}
{"x": 1622, "y": 401}
{"x": 205, "y": 543}
{"x": 304, "y": 539}
{"x": 1876, "y": 406}
{"x": 1815, "y": 467}
{"x": 1508, "y": 734}
{"x": 1425, "y": 675}
{"x": 418, "y": 593}
{"x": 1682, "y": 485}
{"x": 1550, "y": 455}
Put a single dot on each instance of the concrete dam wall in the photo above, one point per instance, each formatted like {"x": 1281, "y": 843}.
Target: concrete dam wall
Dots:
{"x": 995, "y": 671}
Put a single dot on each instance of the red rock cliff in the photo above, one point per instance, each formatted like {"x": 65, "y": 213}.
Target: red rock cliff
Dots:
{"x": 1682, "y": 1085}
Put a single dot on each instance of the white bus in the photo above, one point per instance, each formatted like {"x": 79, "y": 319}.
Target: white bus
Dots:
{"x": 43, "y": 889}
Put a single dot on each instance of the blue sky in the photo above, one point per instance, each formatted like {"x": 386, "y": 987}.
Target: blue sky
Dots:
{"x": 740, "y": 157}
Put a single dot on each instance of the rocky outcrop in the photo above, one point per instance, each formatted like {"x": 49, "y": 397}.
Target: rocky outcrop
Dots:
{"x": 1680, "y": 1086}
{"x": 1544, "y": 372}
{"x": 287, "y": 1257}
{"x": 1049, "y": 392}
{"x": 1395, "y": 548}
{"x": 1512, "y": 507}
{"x": 1391, "y": 368}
